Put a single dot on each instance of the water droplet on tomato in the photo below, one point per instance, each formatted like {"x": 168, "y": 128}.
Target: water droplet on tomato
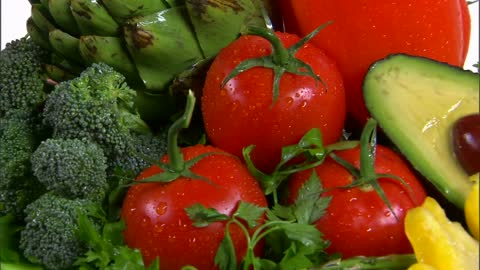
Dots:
{"x": 158, "y": 228}
{"x": 172, "y": 238}
{"x": 289, "y": 100}
{"x": 161, "y": 208}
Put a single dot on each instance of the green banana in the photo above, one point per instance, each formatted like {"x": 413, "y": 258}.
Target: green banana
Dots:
{"x": 110, "y": 51}
{"x": 66, "y": 45}
{"x": 162, "y": 45}
{"x": 121, "y": 10}
{"x": 217, "y": 23}
{"x": 61, "y": 13}
{"x": 93, "y": 19}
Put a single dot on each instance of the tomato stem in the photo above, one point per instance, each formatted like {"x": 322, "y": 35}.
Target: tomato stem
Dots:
{"x": 280, "y": 54}
{"x": 281, "y": 59}
{"x": 365, "y": 177}
{"x": 174, "y": 152}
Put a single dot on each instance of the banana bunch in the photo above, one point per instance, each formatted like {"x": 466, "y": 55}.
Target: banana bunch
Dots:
{"x": 149, "y": 41}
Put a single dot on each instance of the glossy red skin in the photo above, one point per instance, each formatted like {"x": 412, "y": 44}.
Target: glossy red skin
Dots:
{"x": 241, "y": 114}
{"x": 364, "y": 31}
{"x": 158, "y": 225}
{"x": 358, "y": 222}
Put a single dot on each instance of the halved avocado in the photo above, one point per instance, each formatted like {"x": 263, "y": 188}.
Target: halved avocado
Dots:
{"x": 416, "y": 101}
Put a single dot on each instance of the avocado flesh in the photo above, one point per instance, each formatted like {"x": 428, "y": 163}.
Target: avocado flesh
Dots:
{"x": 416, "y": 101}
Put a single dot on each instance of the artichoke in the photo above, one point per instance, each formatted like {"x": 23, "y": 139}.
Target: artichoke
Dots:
{"x": 149, "y": 41}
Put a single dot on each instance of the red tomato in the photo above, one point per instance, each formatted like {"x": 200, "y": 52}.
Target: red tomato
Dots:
{"x": 364, "y": 31}
{"x": 241, "y": 113}
{"x": 158, "y": 225}
{"x": 358, "y": 221}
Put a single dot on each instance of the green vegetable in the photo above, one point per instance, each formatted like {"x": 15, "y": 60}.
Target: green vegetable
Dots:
{"x": 21, "y": 82}
{"x": 107, "y": 249}
{"x": 50, "y": 234}
{"x": 18, "y": 140}
{"x": 74, "y": 150}
{"x": 99, "y": 106}
{"x": 293, "y": 241}
{"x": 149, "y": 41}
{"x": 391, "y": 262}
{"x": 71, "y": 168}
{"x": 415, "y": 101}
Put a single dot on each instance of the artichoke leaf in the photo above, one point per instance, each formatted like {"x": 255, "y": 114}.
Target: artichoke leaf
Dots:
{"x": 41, "y": 17}
{"x": 62, "y": 15}
{"x": 93, "y": 19}
{"x": 65, "y": 44}
{"x": 37, "y": 35}
{"x": 162, "y": 45}
{"x": 56, "y": 73}
{"x": 218, "y": 22}
{"x": 175, "y": 3}
{"x": 122, "y": 10}
{"x": 109, "y": 50}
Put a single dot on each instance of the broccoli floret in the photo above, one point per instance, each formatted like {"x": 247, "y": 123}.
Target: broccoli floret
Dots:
{"x": 18, "y": 141}
{"x": 71, "y": 168}
{"x": 99, "y": 106}
{"x": 50, "y": 234}
{"x": 21, "y": 83}
{"x": 141, "y": 146}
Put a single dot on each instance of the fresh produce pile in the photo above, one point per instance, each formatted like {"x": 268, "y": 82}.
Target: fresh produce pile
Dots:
{"x": 240, "y": 134}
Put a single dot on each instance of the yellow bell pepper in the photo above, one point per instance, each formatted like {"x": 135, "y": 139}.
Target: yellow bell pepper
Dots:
{"x": 421, "y": 266}
{"x": 439, "y": 242}
{"x": 472, "y": 211}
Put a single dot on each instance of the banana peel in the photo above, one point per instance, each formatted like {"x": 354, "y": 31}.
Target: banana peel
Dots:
{"x": 439, "y": 242}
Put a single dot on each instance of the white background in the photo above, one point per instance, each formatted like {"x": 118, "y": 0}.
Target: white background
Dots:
{"x": 15, "y": 13}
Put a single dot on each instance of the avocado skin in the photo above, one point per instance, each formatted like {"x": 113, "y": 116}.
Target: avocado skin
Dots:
{"x": 416, "y": 101}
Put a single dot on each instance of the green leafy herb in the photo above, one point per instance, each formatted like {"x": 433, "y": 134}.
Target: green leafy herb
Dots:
{"x": 310, "y": 148}
{"x": 9, "y": 239}
{"x": 287, "y": 228}
{"x": 107, "y": 250}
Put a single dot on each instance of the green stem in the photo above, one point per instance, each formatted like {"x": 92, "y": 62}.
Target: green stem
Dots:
{"x": 280, "y": 54}
{"x": 368, "y": 142}
{"x": 174, "y": 152}
{"x": 391, "y": 262}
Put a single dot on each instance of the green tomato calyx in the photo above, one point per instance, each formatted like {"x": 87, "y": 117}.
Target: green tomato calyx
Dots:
{"x": 281, "y": 59}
